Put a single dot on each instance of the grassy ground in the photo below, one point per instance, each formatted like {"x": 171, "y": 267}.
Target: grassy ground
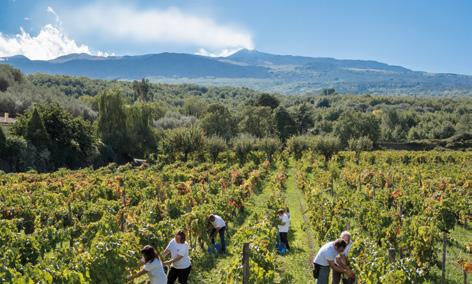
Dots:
{"x": 455, "y": 253}
{"x": 256, "y": 204}
{"x": 296, "y": 265}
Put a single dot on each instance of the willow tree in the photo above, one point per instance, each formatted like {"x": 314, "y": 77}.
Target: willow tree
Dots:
{"x": 112, "y": 128}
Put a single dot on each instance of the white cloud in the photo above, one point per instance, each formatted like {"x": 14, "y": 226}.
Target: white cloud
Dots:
{"x": 48, "y": 44}
{"x": 221, "y": 53}
{"x": 51, "y": 10}
{"x": 122, "y": 22}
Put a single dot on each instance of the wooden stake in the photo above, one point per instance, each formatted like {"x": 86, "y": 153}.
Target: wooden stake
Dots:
{"x": 246, "y": 263}
{"x": 69, "y": 212}
{"x": 391, "y": 254}
{"x": 443, "y": 273}
{"x": 332, "y": 187}
{"x": 71, "y": 240}
{"x": 123, "y": 200}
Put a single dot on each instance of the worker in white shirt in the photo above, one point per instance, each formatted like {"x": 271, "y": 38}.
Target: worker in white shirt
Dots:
{"x": 153, "y": 266}
{"x": 218, "y": 227}
{"x": 180, "y": 264}
{"x": 283, "y": 227}
{"x": 342, "y": 261}
{"x": 325, "y": 261}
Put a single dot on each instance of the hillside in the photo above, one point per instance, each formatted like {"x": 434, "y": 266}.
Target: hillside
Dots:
{"x": 258, "y": 70}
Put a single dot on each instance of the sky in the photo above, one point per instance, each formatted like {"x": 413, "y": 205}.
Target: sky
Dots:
{"x": 426, "y": 35}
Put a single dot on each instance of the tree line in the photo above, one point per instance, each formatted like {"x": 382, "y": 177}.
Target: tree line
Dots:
{"x": 97, "y": 122}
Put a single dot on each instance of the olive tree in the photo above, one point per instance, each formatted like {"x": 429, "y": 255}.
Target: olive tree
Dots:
{"x": 214, "y": 145}
{"x": 269, "y": 146}
{"x": 360, "y": 144}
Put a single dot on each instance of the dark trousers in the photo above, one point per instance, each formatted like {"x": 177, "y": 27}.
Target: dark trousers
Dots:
{"x": 222, "y": 238}
{"x": 181, "y": 274}
{"x": 284, "y": 239}
{"x": 337, "y": 278}
{"x": 321, "y": 274}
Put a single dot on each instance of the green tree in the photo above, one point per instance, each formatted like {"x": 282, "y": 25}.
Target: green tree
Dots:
{"x": 323, "y": 103}
{"x": 218, "y": 121}
{"x": 184, "y": 140}
{"x": 16, "y": 153}
{"x": 3, "y": 142}
{"x": 327, "y": 146}
{"x": 360, "y": 144}
{"x": 214, "y": 146}
{"x": 142, "y": 140}
{"x": 258, "y": 122}
{"x": 243, "y": 145}
{"x": 194, "y": 107}
{"x": 36, "y": 131}
{"x": 269, "y": 146}
{"x": 112, "y": 128}
{"x": 328, "y": 92}
{"x": 284, "y": 123}
{"x": 304, "y": 118}
{"x": 390, "y": 125}
{"x": 9, "y": 76}
{"x": 71, "y": 140}
{"x": 355, "y": 125}
{"x": 296, "y": 145}
{"x": 267, "y": 100}
{"x": 141, "y": 90}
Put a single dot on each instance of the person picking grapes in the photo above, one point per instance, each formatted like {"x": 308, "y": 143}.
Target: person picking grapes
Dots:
{"x": 153, "y": 266}
{"x": 342, "y": 261}
{"x": 325, "y": 261}
{"x": 283, "y": 227}
{"x": 180, "y": 261}
{"x": 218, "y": 227}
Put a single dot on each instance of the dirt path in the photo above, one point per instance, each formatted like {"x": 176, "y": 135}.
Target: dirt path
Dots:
{"x": 296, "y": 265}
{"x": 256, "y": 204}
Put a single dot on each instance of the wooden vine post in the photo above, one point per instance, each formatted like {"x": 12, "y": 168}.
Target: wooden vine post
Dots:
{"x": 443, "y": 266}
{"x": 69, "y": 208}
{"x": 246, "y": 263}
{"x": 332, "y": 186}
{"x": 391, "y": 254}
{"x": 123, "y": 200}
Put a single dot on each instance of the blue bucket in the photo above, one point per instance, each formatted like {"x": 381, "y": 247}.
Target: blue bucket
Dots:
{"x": 281, "y": 249}
{"x": 214, "y": 249}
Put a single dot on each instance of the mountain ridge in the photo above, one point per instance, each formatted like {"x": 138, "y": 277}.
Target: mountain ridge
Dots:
{"x": 255, "y": 69}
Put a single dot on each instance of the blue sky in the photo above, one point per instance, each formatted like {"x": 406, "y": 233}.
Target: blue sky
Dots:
{"x": 428, "y": 35}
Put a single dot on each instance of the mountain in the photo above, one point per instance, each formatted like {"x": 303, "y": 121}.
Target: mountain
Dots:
{"x": 255, "y": 69}
{"x": 136, "y": 67}
{"x": 76, "y": 56}
{"x": 253, "y": 57}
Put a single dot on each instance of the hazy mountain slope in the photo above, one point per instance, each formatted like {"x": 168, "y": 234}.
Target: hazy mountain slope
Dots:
{"x": 254, "y": 69}
{"x": 134, "y": 67}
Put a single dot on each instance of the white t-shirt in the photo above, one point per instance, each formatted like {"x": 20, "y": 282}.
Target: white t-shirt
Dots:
{"x": 348, "y": 247}
{"x": 156, "y": 273}
{"x": 326, "y": 253}
{"x": 219, "y": 222}
{"x": 284, "y": 219}
{"x": 179, "y": 249}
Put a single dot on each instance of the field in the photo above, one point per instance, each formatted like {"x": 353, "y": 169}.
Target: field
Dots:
{"x": 87, "y": 226}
